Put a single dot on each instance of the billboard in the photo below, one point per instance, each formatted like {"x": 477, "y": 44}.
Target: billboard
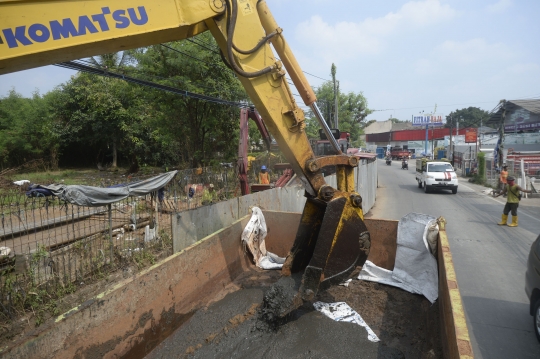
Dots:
{"x": 471, "y": 135}
{"x": 430, "y": 120}
{"x": 521, "y": 119}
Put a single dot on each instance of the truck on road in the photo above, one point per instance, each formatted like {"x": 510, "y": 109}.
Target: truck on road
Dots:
{"x": 399, "y": 153}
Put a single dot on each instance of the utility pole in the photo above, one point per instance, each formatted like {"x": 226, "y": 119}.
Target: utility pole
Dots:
{"x": 450, "y": 148}
{"x": 333, "y": 71}
{"x": 480, "y": 136}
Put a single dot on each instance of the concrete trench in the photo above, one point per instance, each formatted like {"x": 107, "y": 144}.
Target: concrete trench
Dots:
{"x": 202, "y": 302}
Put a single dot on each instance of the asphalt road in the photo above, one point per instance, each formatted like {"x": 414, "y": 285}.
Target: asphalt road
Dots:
{"x": 490, "y": 260}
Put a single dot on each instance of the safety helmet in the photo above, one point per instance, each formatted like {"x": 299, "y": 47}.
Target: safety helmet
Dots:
{"x": 263, "y": 167}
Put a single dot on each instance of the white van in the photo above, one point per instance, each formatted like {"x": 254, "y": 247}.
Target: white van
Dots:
{"x": 433, "y": 174}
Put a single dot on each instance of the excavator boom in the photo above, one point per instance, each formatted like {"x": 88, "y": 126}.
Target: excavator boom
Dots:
{"x": 332, "y": 238}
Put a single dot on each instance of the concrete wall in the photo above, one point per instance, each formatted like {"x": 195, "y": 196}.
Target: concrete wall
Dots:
{"x": 192, "y": 225}
{"x": 130, "y": 319}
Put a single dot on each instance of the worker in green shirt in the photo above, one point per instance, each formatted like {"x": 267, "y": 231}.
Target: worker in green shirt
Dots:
{"x": 209, "y": 195}
{"x": 512, "y": 201}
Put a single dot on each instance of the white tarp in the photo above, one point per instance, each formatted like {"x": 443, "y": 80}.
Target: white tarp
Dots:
{"x": 415, "y": 269}
{"x": 253, "y": 239}
{"x": 341, "y": 312}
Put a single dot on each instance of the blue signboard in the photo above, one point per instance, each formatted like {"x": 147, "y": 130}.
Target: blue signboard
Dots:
{"x": 430, "y": 120}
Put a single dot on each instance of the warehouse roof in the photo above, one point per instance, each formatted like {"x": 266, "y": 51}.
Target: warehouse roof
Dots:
{"x": 532, "y": 105}
{"x": 387, "y": 126}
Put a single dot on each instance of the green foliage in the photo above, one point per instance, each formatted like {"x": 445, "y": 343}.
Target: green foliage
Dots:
{"x": 481, "y": 165}
{"x": 24, "y": 129}
{"x": 353, "y": 111}
{"x": 467, "y": 117}
{"x": 480, "y": 176}
{"x": 197, "y": 132}
{"x": 25, "y": 294}
{"x": 92, "y": 119}
{"x": 143, "y": 259}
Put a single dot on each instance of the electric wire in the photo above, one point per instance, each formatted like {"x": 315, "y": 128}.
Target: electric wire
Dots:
{"x": 140, "y": 72}
{"x": 183, "y": 53}
{"x": 88, "y": 69}
{"x": 203, "y": 46}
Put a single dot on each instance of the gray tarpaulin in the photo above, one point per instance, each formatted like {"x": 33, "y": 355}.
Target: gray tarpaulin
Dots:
{"x": 96, "y": 196}
{"x": 415, "y": 269}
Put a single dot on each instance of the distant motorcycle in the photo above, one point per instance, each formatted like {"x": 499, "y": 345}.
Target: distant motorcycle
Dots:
{"x": 404, "y": 165}
{"x": 388, "y": 161}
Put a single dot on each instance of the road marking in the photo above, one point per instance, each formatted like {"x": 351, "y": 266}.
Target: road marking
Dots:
{"x": 503, "y": 202}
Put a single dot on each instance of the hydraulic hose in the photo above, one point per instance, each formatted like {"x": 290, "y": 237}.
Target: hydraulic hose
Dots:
{"x": 258, "y": 46}
{"x": 233, "y": 10}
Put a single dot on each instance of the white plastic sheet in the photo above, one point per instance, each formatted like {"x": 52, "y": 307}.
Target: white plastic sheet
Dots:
{"x": 253, "y": 238}
{"x": 341, "y": 312}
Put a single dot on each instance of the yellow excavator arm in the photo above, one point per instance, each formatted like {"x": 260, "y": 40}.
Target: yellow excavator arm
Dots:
{"x": 332, "y": 238}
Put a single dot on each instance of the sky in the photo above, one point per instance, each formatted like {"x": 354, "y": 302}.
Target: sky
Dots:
{"x": 404, "y": 56}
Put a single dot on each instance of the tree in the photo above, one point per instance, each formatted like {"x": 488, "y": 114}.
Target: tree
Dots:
{"x": 468, "y": 117}
{"x": 395, "y": 120}
{"x": 94, "y": 112}
{"x": 24, "y": 130}
{"x": 111, "y": 61}
{"x": 352, "y": 106}
{"x": 201, "y": 132}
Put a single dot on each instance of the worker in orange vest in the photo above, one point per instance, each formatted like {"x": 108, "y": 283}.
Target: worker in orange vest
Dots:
{"x": 264, "y": 177}
{"x": 504, "y": 176}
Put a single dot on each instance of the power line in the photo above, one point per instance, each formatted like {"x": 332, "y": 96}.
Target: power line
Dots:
{"x": 203, "y": 46}
{"x": 307, "y": 73}
{"x": 84, "y": 68}
{"x": 183, "y": 53}
{"x": 146, "y": 75}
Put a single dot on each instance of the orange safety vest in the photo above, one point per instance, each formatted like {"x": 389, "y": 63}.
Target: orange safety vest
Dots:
{"x": 264, "y": 178}
{"x": 504, "y": 175}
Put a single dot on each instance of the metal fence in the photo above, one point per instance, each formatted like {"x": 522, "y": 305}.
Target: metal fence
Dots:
{"x": 47, "y": 246}
{"x": 514, "y": 169}
{"x": 465, "y": 163}
{"x": 492, "y": 173}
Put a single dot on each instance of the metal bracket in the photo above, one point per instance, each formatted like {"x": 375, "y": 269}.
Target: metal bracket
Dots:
{"x": 217, "y": 5}
{"x": 316, "y": 164}
{"x": 297, "y": 117}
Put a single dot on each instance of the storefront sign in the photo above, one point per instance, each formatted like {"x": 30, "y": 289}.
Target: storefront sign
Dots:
{"x": 431, "y": 120}
{"x": 471, "y": 135}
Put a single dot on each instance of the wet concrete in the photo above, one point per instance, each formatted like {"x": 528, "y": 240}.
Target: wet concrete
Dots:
{"x": 233, "y": 328}
{"x": 280, "y": 300}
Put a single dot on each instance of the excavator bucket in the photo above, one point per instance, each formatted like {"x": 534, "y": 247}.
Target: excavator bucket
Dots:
{"x": 331, "y": 241}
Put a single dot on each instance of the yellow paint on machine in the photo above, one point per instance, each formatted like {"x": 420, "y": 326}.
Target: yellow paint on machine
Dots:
{"x": 246, "y": 7}
{"x": 41, "y": 28}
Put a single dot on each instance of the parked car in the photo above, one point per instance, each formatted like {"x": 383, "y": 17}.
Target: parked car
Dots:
{"x": 532, "y": 284}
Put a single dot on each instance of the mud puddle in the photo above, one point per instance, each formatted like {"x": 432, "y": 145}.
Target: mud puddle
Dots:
{"x": 407, "y": 324}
